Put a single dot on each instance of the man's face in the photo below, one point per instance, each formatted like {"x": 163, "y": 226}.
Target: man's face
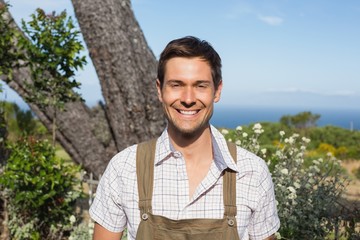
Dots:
{"x": 188, "y": 95}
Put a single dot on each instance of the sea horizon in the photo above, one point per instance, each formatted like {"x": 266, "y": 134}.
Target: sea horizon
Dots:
{"x": 233, "y": 116}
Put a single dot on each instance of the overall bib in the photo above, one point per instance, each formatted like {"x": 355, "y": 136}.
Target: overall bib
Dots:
{"x": 154, "y": 227}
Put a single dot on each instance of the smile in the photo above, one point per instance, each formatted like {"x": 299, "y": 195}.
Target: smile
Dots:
{"x": 185, "y": 112}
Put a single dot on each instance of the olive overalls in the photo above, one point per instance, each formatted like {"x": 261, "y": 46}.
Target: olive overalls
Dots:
{"x": 155, "y": 227}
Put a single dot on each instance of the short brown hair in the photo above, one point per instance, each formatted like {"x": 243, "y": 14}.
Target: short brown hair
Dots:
{"x": 190, "y": 47}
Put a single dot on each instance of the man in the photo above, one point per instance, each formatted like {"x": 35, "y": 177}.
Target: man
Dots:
{"x": 191, "y": 161}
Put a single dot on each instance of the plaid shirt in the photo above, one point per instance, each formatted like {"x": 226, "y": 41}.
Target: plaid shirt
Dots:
{"x": 116, "y": 202}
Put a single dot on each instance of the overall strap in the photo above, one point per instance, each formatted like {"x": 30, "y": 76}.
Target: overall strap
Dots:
{"x": 229, "y": 185}
{"x": 145, "y": 156}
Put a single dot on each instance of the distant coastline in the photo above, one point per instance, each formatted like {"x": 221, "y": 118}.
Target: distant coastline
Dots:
{"x": 231, "y": 117}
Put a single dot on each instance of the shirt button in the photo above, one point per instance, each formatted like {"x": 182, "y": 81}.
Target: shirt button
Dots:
{"x": 144, "y": 216}
{"x": 177, "y": 154}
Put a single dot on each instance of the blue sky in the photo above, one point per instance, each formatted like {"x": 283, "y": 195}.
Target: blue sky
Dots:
{"x": 275, "y": 52}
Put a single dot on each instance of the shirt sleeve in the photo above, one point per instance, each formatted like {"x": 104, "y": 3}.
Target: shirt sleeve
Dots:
{"x": 265, "y": 220}
{"x": 106, "y": 208}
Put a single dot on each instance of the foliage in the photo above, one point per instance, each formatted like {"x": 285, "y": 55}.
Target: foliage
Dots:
{"x": 53, "y": 57}
{"x": 346, "y": 142}
{"x": 7, "y": 55}
{"x": 54, "y": 49}
{"x": 305, "y": 193}
{"x": 82, "y": 231}
{"x": 300, "y": 120}
{"x": 41, "y": 190}
{"x": 21, "y": 122}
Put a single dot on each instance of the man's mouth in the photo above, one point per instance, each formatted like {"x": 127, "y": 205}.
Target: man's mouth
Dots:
{"x": 187, "y": 112}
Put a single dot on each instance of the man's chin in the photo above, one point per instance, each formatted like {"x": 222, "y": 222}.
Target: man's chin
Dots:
{"x": 191, "y": 132}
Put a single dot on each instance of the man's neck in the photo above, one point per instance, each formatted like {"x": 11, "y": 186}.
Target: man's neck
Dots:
{"x": 196, "y": 148}
{"x": 198, "y": 156}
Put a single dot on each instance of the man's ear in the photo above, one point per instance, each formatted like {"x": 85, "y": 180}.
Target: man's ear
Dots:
{"x": 158, "y": 87}
{"x": 218, "y": 92}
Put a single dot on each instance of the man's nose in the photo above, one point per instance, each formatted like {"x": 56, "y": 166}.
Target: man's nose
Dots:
{"x": 188, "y": 97}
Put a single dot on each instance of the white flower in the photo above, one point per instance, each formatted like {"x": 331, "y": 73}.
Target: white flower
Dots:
{"x": 292, "y": 196}
{"x": 329, "y": 154}
{"x": 257, "y": 126}
{"x": 263, "y": 151}
{"x": 291, "y": 140}
{"x": 278, "y": 153}
{"x": 296, "y": 185}
{"x": 230, "y": 140}
{"x": 258, "y": 131}
{"x": 284, "y": 171}
{"x": 295, "y": 135}
{"x": 306, "y": 140}
{"x": 315, "y": 162}
{"x": 224, "y": 131}
{"x": 72, "y": 219}
{"x": 302, "y": 148}
{"x": 238, "y": 128}
{"x": 238, "y": 142}
{"x": 320, "y": 160}
{"x": 244, "y": 134}
{"x": 286, "y": 140}
{"x": 316, "y": 168}
{"x": 291, "y": 189}
{"x": 282, "y": 133}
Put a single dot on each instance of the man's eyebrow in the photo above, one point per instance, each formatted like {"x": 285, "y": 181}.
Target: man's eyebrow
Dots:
{"x": 197, "y": 82}
{"x": 202, "y": 81}
{"x": 174, "y": 81}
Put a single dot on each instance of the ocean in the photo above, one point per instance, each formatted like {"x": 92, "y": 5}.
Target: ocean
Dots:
{"x": 231, "y": 117}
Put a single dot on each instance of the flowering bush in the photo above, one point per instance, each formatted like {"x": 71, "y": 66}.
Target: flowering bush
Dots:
{"x": 307, "y": 190}
{"x": 81, "y": 231}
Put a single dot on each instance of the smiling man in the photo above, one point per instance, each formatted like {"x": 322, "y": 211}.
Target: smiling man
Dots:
{"x": 189, "y": 183}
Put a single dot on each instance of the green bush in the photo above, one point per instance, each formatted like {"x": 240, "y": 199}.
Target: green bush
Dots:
{"x": 41, "y": 191}
{"x": 307, "y": 192}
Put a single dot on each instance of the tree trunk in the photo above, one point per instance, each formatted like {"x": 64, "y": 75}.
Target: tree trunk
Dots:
{"x": 127, "y": 71}
{"x": 125, "y": 66}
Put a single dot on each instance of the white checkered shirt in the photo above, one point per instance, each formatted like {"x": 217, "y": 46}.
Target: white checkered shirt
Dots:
{"x": 116, "y": 203}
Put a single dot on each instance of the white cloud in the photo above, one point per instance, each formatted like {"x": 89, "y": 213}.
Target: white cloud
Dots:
{"x": 271, "y": 20}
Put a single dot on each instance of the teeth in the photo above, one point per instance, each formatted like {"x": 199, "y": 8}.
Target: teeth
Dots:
{"x": 188, "y": 112}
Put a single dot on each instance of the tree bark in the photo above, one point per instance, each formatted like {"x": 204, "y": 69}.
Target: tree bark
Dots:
{"x": 125, "y": 66}
{"x": 126, "y": 69}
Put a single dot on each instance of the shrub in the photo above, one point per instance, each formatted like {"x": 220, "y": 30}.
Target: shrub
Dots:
{"x": 306, "y": 194}
{"x": 41, "y": 191}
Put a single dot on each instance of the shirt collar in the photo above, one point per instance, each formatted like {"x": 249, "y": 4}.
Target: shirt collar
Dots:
{"x": 222, "y": 156}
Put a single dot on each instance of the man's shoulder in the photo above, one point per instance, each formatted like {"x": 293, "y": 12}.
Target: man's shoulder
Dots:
{"x": 126, "y": 156}
{"x": 129, "y": 153}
